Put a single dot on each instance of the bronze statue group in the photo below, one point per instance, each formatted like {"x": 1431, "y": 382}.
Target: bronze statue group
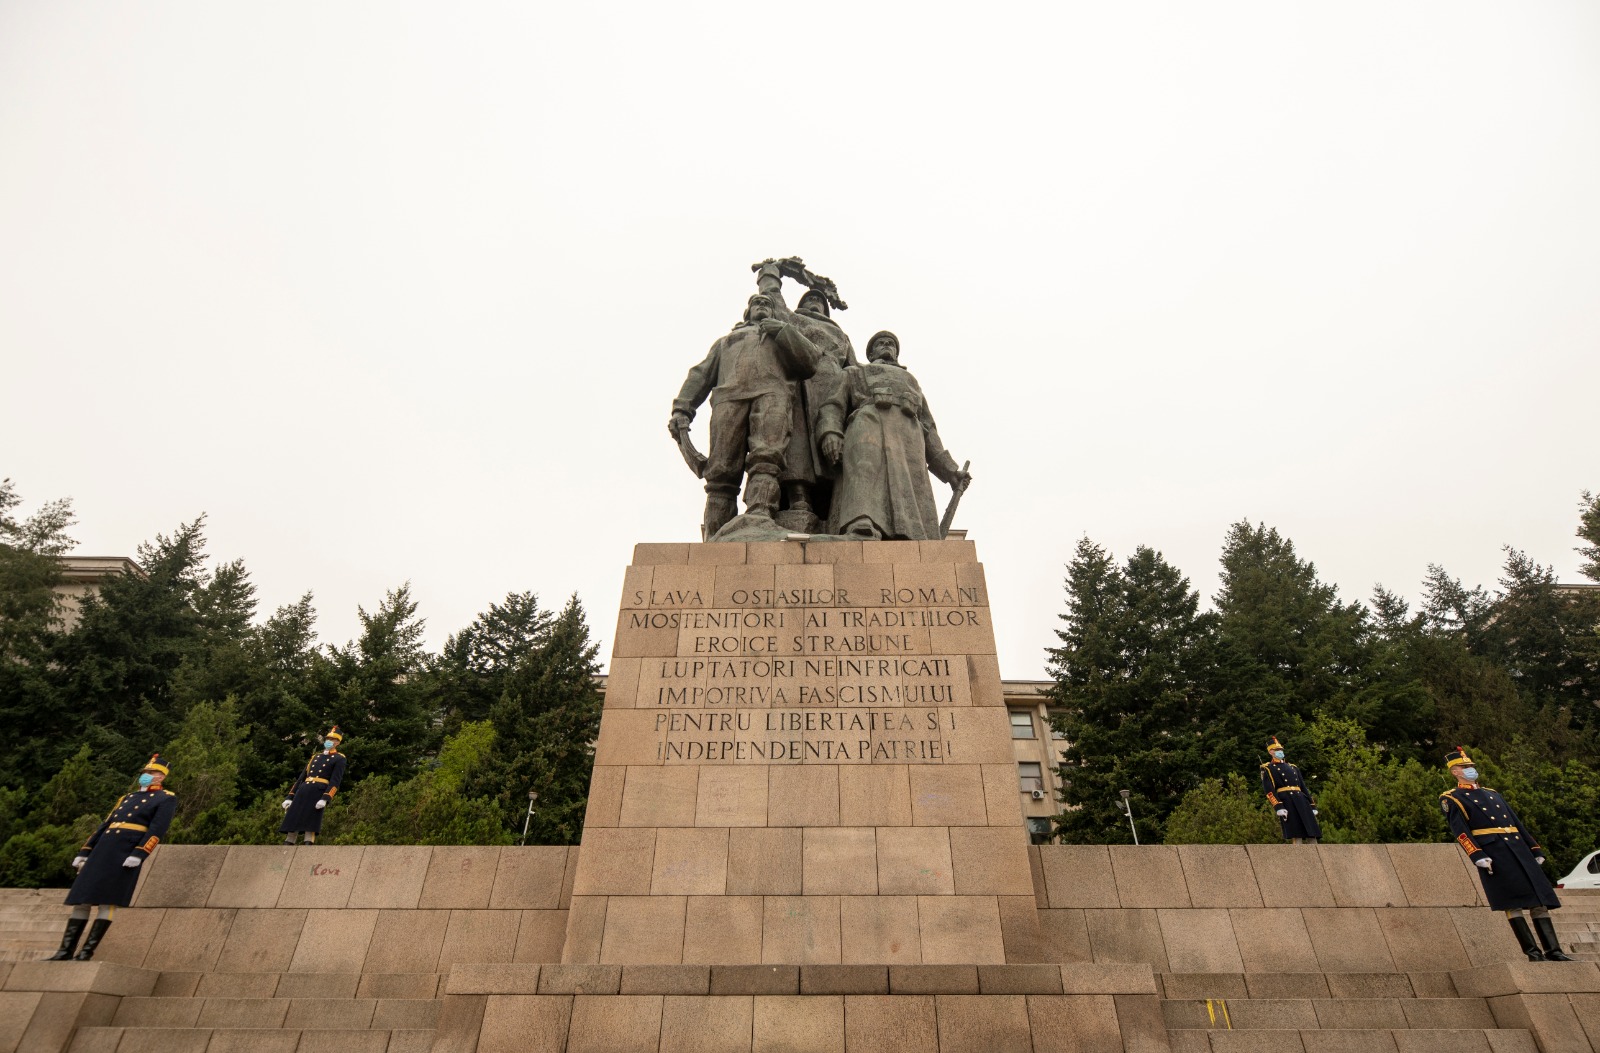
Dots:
{"x": 1508, "y": 858}
{"x": 823, "y": 444}
{"x": 110, "y": 862}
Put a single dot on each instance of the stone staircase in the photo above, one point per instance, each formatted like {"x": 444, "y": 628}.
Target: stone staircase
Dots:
{"x": 1365, "y": 1012}
{"x": 1578, "y": 923}
{"x": 273, "y": 1013}
{"x": 31, "y": 920}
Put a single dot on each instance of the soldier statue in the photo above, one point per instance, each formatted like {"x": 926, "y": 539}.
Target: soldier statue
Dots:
{"x": 312, "y": 791}
{"x": 1290, "y": 797}
{"x": 749, "y": 376}
{"x": 1509, "y": 859}
{"x": 807, "y": 479}
{"x": 109, "y": 862}
{"x": 876, "y": 426}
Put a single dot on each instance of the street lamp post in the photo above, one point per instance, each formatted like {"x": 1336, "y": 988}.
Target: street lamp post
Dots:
{"x": 1127, "y": 809}
{"x": 533, "y": 798}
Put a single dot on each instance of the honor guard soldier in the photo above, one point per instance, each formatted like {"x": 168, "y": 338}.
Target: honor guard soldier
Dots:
{"x": 1286, "y": 790}
{"x": 109, "y": 863}
{"x": 313, "y": 790}
{"x": 1508, "y": 859}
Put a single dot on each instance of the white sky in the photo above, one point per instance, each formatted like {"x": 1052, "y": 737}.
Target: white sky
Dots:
{"x": 403, "y": 290}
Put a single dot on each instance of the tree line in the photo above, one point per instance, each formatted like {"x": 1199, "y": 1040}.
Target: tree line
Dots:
{"x": 444, "y": 746}
{"x": 1175, "y": 703}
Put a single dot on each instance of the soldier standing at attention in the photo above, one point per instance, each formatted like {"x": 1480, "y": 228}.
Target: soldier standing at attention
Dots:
{"x": 1508, "y": 859}
{"x": 1286, "y": 789}
{"x": 313, "y": 790}
{"x": 108, "y": 863}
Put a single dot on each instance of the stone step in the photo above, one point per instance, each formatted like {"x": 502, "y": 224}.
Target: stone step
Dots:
{"x": 1281, "y": 985}
{"x": 300, "y": 985}
{"x": 1382, "y": 1040}
{"x": 1384, "y": 1014}
{"x": 248, "y": 1040}
{"x": 295, "y": 1014}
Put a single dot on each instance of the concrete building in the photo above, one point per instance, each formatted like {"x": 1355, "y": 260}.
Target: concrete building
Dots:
{"x": 82, "y": 577}
{"x": 1038, "y": 752}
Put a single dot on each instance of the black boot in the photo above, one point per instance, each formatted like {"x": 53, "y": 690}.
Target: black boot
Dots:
{"x": 1525, "y": 938}
{"x": 69, "y": 939}
{"x": 97, "y": 932}
{"x": 1547, "y": 936}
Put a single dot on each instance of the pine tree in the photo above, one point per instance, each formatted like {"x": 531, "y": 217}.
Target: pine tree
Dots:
{"x": 375, "y": 688}
{"x": 546, "y": 720}
{"x": 1126, "y": 680}
{"x": 1589, "y": 533}
{"x": 39, "y": 731}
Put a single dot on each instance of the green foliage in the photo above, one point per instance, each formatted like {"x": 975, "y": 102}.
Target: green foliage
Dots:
{"x": 547, "y": 716}
{"x": 1589, "y": 533}
{"x": 30, "y": 708}
{"x": 1366, "y": 797}
{"x": 1367, "y": 700}
{"x": 175, "y": 659}
{"x": 427, "y": 809}
{"x": 1125, "y": 679}
{"x": 1225, "y": 811}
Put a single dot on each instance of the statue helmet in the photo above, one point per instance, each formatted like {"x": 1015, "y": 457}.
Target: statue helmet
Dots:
{"x": 880, "y": 334}
{"x": 817, "y": 297}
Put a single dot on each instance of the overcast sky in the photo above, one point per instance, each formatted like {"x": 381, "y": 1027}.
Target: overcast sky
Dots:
{"x": 402, "y": 291}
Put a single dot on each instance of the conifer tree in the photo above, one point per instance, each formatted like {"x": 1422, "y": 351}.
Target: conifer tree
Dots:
{"x": 1125, "y": 692}
{"x": 40, "y": 732}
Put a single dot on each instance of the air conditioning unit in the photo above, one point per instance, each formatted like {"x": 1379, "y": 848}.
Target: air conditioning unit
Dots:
{"x": 1038, "y": 795}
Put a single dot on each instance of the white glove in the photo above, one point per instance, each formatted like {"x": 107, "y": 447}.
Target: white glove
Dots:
{"x": 287, "y": 803}
{"x": 1539, "y": 860}
{"x": 77, "y": 864}
{"x": 1486, "y": 863}
{"x": 322, "y": 804}
{"x": 132, "y": 861}
{"x": 1283, "y": 813}
{"x": 1315, "y": 812}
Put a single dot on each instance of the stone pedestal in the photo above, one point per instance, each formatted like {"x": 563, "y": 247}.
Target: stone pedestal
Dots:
{"x": 805, "y": 758}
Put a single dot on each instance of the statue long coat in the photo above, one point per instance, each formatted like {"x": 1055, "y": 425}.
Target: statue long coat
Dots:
{"x": 890, "y": 445}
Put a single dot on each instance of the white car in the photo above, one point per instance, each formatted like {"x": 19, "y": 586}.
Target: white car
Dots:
{"x": 1585, "y": 875}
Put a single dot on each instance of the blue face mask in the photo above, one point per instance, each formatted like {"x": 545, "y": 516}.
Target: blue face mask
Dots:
{"x": 1469, "y": 774}
{"x": 328, "y": 744}
{"x": 1277, "y": 755}
{"x": 145, "y": 780}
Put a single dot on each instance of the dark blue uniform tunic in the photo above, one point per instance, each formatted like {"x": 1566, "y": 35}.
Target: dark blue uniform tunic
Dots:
{"x": 1486, "y": 827}
{"x": 133, "y": 828}
{"x": 319, "y": 782}
{"x": 1285, "y": 787}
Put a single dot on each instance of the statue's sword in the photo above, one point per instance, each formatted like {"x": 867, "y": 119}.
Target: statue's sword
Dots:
{"x": 955, "y": 499}
{"x": 691, "y": 456}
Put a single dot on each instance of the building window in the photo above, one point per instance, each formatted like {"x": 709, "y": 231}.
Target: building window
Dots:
{"x": 1031, "y": 776}
{"x": 1039, "y": 831}
{"x": 1021, "y": 724}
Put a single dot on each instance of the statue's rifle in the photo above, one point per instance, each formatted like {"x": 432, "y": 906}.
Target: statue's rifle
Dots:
{"x": 955, "y": 499}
